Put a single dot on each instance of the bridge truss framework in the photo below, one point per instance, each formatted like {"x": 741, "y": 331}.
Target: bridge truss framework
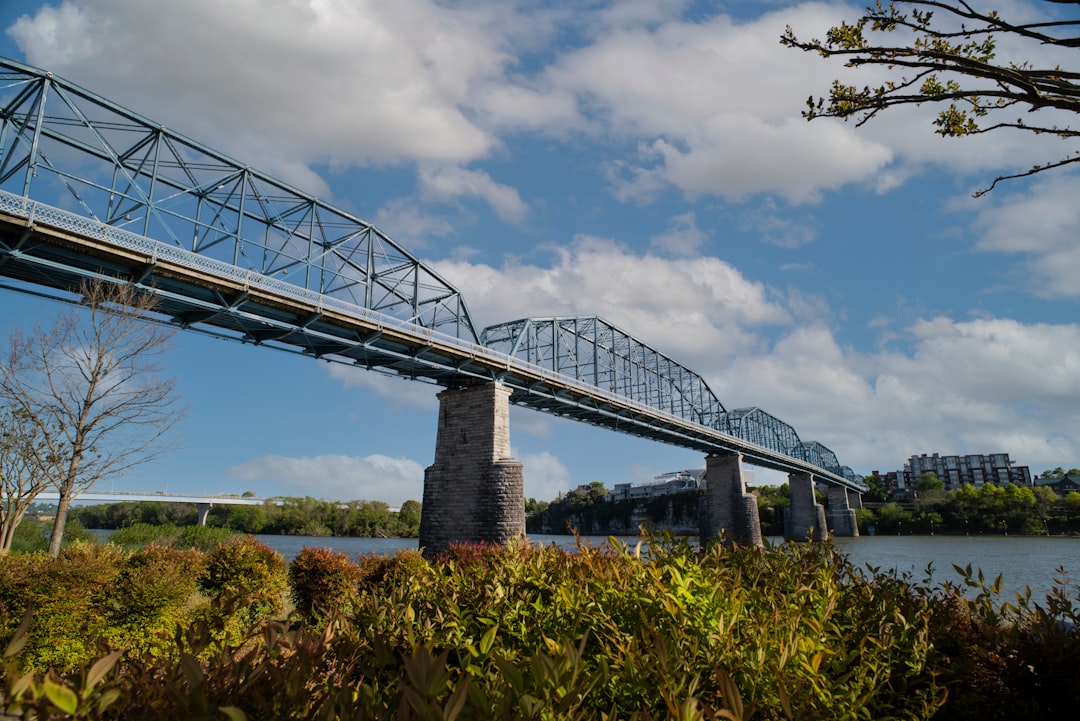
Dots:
{"x": 231, "y": 251}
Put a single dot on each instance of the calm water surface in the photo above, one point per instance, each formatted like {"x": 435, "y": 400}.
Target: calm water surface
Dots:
{"x": 1021, "y": 560}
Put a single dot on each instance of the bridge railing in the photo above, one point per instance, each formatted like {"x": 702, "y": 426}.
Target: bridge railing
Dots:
{"x": 154, "y": 250}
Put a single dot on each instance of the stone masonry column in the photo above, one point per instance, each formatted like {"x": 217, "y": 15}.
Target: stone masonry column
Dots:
{"x": 474, "y": 491}
{"x": 840, "y": 515}
{"x": 727, "y": 506}
{"x": 806, "y": 521}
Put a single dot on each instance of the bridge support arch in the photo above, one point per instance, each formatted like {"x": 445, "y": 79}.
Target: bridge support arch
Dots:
{"x": 727, "y": 507}
{"x": 840, "y": 515}
{"x": 806, "y": 519}
{"x": 474, "y": 491}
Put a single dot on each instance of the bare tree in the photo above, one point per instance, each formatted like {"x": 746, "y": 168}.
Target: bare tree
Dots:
{"x": 21, "y": 478}
{"x": 90, "y": 386}
{"x": 945, "y": 52}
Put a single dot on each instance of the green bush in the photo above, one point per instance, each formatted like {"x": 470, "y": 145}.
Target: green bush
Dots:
{"x": 528, "y": 632}
{"x": 97, "y": 596}
{"x": 322, "y": 581}
{"x": 31, "y": 535}
{"x": 141, "y": 535}
{"x": 154, "y": 592}
{"x": 245, "y": 574}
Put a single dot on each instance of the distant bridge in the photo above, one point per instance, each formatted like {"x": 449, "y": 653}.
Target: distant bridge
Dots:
{"x": 202, "y": 502}
{"x": 89, "y": 189}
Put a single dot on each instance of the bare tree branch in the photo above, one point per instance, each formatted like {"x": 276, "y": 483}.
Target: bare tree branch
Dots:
{"x": 91, "y": 388}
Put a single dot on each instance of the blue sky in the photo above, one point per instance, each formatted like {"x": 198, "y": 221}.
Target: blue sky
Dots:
{"x": 642, "y": 160}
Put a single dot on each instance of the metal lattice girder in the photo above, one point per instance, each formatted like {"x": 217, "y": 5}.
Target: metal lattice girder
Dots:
{"x": 761, "y": 428}
{"x": 591, "y": 350}
{"x": 76, "y": 150}
{"x": 817, "y": 454}
{"x": 89, "y": 190}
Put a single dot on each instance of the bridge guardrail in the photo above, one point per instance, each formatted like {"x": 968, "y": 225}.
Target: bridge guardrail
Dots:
{"x": 154, "y": 250}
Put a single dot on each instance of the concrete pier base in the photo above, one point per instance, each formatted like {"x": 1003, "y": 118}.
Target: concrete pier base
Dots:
{"x": 727, "y": 509}
{"x": 204, "y": 511}
{"x": 840, "y": 515}
{"x": 474, "y": 491}
{"x": 806, "y": 519}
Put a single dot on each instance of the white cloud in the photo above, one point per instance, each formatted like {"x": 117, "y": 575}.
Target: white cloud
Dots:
{"x": 683, "y": 237}
{"x": 447, "y": 183}
{"x": 545, "y": 476}
{"x": 714, "y": 101}
{"x": 978, "y": 386}
{"x": 717, "y": 103}
{"x": 700, "y": 311}
{"x": 413, "y": 226}
{"x": 1041, "y": 225}
{"x": 344, "y": 82}
{"x": 339, "y": 478}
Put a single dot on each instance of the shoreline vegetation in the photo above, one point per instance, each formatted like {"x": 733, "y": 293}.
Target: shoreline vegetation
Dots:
{"x": 229, "y": 630}
{"x": 989, "y": 510}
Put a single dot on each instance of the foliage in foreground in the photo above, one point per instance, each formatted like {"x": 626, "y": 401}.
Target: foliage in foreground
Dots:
{"x": 541, "y": 633}
{"x": 95, "y": 597}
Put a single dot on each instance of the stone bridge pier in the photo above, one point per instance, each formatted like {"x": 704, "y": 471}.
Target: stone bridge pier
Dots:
{"x": 474, "y": 491}
{"x": 840, "y": 515}
{"x": 727, "y": 507}
{"x": 806, "y": 517}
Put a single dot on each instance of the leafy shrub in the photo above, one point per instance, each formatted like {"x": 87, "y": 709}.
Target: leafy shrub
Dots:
{"x": 140, "y": 535}
{"x": 68, "y": 597}
{"x": 203, "y": 538}
{"x": 322, "y": 580}
{"x": 154, "y": 592}
{"x": 793, "y": 632}
{"x": 245, "y": 574}
{"x": 30, "y": 535}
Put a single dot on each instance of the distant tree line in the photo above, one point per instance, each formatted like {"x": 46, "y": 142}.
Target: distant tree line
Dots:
{"x": 989, "y": 509}
{"x": 292, "y": 517}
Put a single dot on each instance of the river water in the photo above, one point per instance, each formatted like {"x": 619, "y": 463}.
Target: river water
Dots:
{"x": 1023, "y": 561}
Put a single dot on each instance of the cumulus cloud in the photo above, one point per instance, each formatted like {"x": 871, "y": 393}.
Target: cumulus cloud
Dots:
{"x": 545, "y": 476}
{"x": 974, "y": 386}
{"x": 414, "y": 226}
{"x": 450, "y": 183}
{"x": 713, "y": 102}
{"x": 1040, "y": 225}
{"x": 699, "y": 310}
{"x": 717, "y": 103}
{"x": 339, "y": 478}
{"x": 683, "y": 237}
{"x": 344, "y": 82}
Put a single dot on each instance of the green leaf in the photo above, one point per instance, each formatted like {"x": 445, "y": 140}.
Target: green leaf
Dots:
{"x": 22, "y": 634}
{"x": 488, "y": 639}
{"x": 234, "y": 713}
{"x": 61, "y": 696}
{"x": 99, "y": 669}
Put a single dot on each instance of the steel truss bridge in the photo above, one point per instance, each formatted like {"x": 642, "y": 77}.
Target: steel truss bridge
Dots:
{"x": 91, "y": 190}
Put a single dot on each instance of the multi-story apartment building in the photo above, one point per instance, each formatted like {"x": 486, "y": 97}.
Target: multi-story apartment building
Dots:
{"x": 956, "y": 471}
{"x": 662, "y": 485}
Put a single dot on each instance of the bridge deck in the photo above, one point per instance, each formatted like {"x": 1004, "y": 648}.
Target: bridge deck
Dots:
{"x": 49, "y": 247}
